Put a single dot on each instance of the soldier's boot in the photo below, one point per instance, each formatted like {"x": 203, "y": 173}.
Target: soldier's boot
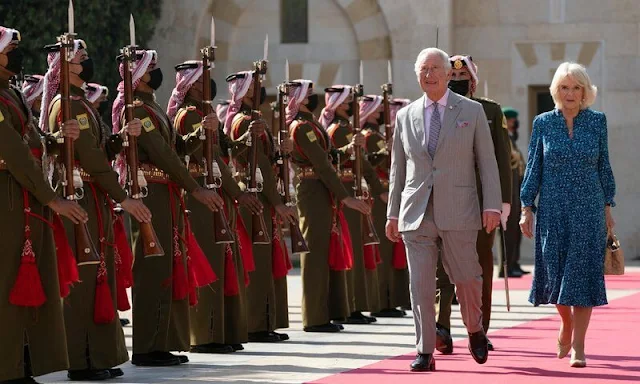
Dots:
{"x": 88, "y": 374}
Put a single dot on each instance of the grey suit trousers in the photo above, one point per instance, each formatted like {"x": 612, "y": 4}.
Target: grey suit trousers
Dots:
{"x": 461, "y": 264}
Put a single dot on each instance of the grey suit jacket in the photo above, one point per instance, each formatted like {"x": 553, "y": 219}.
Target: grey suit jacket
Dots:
{"x": 464, "y": 144}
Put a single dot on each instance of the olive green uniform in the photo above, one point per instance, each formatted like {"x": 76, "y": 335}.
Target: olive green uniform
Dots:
{"x": 40, "y": 329}
{"x": 216, "y": 318}
{"x": 393, "y": 283}
{"x": 160, "y": 323}
{"x": 267, "y": 308}
{"x": 484, "y": 245}
{"x": 513, "y": 235}
{"x": 362, "y": 282}
{"x": 91, "y": 345}
{"x": 324, "y": 291}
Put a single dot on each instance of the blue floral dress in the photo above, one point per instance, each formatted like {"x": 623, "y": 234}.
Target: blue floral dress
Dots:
{"x": 573, "y": 181}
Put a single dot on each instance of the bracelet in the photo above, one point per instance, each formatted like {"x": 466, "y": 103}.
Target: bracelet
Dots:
{"x": 526, "y": 209}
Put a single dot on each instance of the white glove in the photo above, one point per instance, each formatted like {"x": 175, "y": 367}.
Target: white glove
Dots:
{"x": 504, "y": 216}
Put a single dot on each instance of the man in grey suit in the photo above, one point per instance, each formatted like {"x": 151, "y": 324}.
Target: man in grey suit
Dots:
{"x": 439, "y": 141}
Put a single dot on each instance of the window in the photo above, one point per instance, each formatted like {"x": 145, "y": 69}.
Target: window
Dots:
{"x": 294, "y": 21}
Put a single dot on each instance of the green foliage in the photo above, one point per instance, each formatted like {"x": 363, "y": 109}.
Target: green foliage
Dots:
{"x": 102, "y": 24}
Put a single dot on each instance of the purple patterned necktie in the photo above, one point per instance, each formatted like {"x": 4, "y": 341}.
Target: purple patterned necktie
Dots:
{"x": 434, "y": 130}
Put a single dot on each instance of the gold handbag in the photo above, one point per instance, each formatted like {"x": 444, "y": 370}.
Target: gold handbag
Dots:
{"x": 613, "y": 256}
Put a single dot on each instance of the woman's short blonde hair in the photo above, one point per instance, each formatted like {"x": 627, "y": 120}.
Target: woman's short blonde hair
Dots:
{"x": 579, "y": 74}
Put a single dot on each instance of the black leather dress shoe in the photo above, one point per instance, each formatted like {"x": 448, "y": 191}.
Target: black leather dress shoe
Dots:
{"x": 389, "y": 312}
{"x": 489, "y": 345}
{"x": 337, "y": 324}
{"x": 124, "y": 322}
{"x": 444, "y": 342}
{"x": 519, "y": 269}
{"x": 423, "y": 362}
{"x": 237, "y": 347}
{"x": 182, "y": 358}
{"x": 211, "y": 348}
{"x": 282, "y": 336}
{"x": 478, "y": 347}
{"x": 324, "y": 328}
{"x": 406, "y": 308}
{"x": 371, "y": 319}
{"x": 356, "y": 318}
{"x": 88, "y": 374}
{"x": 155, "y": 359}
{"x": 264, "y": 337}
{"x": 514, "y": 274}
{"x": 115, "y": 372}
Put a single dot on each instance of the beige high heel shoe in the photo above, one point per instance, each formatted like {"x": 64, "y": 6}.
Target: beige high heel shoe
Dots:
{"x": 577, "y": 363}
{"x": 563, "y": 350}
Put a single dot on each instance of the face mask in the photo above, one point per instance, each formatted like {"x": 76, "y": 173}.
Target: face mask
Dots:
{"x": 87, "y": 70}
{"x": 350, "y": 110}
{"x": 313, "y": 102}
{"x": 156, "y": 79}
{"x": 103, "y": 108}
{"x": 214, "y": 89}
{"x": 380, "y": 120}
{"x": 263, "y": 95}
{"x": 461, "y": 87}
{"x": 15, "y": 60}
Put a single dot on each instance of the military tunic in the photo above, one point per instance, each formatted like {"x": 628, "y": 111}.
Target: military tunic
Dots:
{"x": 160, "y": 323}
{"x": 91, "y": 345}
{"x": 513, "y": 235}
{"x": 484, "y": 245}
{"x": 267, "y": 308}
{"x": 362, "y": 280}
{"x": 41, "y": 329}
{"x": 393, "y": 283}
{"x": 216, "y": 318}
{"x": 324, "y": 291}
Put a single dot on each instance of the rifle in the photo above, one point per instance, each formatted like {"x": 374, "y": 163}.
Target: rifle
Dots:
{"x": 85, "y": 249}
{"x": 298, "y": 244}
{"x": 213, "y": 178}
{"x": 369, "y": 235}
{"x": 259, "y": 233}
{"x": 387, "y": 92}
{"x": 150, "y": 243}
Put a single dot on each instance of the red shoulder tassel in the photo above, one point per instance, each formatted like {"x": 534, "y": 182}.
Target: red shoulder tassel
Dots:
{"x": 180, "y": 284}
{"x": 231, "y": 287}
{"x": 399, "y": 259}
{"x": 125, "y": 270}
{"x": 198, "y": 263}
{"x": 369, "y": 252}
{"x": 103, "y": 311}
{"x": 347, "y": 246}
{"x": 27, "y": 290}
{"x": 339, "y": 259}
{"x": 122, "y": 297}
{"x": 67, "y": 266}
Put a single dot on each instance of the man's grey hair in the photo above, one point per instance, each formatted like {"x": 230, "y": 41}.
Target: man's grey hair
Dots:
{"x": 425, "y": 53}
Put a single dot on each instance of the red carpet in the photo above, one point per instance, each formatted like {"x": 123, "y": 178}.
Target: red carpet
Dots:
{"x": 630, "y": 280}
{"x": 526, "y": 354}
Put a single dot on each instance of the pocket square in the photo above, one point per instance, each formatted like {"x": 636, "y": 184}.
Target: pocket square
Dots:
{"x": 462, "y": 123}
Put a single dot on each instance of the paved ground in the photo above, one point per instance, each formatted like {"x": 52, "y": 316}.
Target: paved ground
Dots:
{"x": 308, "y": 357}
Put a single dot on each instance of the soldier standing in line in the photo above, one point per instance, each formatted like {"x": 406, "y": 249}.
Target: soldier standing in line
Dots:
{"x": 94, "y": 334}
{"x": 160, "y": 305}
{"x": 393, "y": 273}
{"x": 464, "y": 82}
{"x": 212, "y": 330}
{"x": 267, "y": 300}
{"x": 362, "y": 279}
{"x": 320, "y": 197}
{"x": 32, "y": 88}
{"x": 32, "y": 333}
{"x": 513, "y": 235}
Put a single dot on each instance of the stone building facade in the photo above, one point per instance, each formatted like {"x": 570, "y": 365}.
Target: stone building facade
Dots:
{"x": 517, "y": 44}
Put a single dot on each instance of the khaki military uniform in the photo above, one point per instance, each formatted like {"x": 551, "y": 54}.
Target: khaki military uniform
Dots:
{"x": 267, "y": 308}
{"x": 160, "y": 323}
{"x": 216, "y": 318}
{"x": 362, "y": 280}
{"x": 513, "y": 235}
{"x": 91, "y": 345}
{"x": 393, "y": 282}
{"x": 484, "y": 245}
{"x": 40, "y": 329}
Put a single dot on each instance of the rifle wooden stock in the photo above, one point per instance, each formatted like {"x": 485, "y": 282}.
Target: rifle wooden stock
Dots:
{"x": 368, "y": 232}
{"x": 221, "y": 231}
{"x": 298, "y": 245}
{"x": 259, "y": 232}
{"x": 85, "y": 249}
{"x": 150, "y": 243}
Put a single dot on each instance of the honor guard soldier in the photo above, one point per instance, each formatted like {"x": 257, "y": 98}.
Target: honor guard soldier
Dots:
{"x": 94, "y": 334}
{"x": 464, "y": 82}
{"x": 32, "y": 332}
{"x": 362, "y": 279}
{"x": 393, "y": 274}
{"x": 513, "y": 235}
{"x": 211, "y": 330}
{"x": 320, "y": 199}
{"x": 32, "y": 88}
{"x": 267, "y": 301}
{"x": 161, "y": 283}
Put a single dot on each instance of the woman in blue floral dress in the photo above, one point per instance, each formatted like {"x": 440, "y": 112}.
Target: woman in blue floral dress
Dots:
{"x": 568, "y": 171}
